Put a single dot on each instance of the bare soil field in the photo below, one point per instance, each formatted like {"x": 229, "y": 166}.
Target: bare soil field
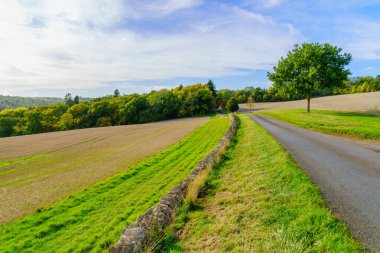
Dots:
{"x": 39, "y": 169}
{"x": 359, "y": 102}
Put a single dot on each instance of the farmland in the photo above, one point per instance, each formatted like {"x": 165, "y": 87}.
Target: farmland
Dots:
{"x": 259, "y": 200}
{"x": 39, "y": 169}
{"x": 91, "y": 220}
{"x": 359, "y": 125}
{"x": 360, "y": 102}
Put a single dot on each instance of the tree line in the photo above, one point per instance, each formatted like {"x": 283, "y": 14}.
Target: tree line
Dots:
{"x": 116, "y": 109}
{"x": 188, "y": 101}
{"x": 272, "y": 94}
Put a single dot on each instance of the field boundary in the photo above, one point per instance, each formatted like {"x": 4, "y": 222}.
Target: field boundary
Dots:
{"x": 135, "y": 237}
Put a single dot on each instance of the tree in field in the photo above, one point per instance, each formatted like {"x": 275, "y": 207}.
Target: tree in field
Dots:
{"x": 250, "y": 101}
{"x": 309, "y": 67}
{"x": 116, "y": 93}
{"x": 232, "y": 105}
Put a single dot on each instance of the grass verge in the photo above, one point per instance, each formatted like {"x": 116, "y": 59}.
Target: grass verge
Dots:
{"x": 258, "y": 200}
{"x": 365, "y": 126}
{"x": 92, "y": 220}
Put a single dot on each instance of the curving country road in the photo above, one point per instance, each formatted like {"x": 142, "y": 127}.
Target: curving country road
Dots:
{"x": 347, "y": 174}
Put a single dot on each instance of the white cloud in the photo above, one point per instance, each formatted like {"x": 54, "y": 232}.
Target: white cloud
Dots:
{"x": 271, "y": 3}
{"x": 364, "y": 37}
{"x": 79, "y": 44}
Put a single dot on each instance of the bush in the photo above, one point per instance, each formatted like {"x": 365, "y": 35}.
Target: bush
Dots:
{"x": 232, "y": 105}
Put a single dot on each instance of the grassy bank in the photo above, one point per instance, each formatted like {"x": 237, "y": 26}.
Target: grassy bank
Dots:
{"x": 92, "y": 220}
{"x": 332, "y": 122}
{"x": 259, "y": 200}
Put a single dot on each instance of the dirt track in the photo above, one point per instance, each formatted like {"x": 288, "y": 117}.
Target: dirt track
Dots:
{"x": 75, "y": 159}
{"x": 347, "y": 174}
{"x": 363, "y": 102}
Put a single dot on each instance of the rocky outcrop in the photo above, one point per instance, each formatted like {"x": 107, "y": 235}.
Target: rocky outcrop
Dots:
{"x": 134, "y": 238}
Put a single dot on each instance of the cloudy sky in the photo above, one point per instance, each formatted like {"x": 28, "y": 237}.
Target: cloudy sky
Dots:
{"x": 92, "y": 47}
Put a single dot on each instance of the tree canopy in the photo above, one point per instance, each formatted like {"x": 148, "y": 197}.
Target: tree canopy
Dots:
{"x": 192, "y": 100}
{"x": 232, "y": 105}
{"x": 310, "y": 67}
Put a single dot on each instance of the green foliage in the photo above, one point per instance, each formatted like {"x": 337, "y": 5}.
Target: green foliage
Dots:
{"x": 232, "y": 105}
{"x": 197, "y": 100}
{"x": 6, "y": 125}
{"x": 260, "y": 200}
{"x": 76, "y": 100}
{"x": 8, "y": 102}
{"x": 182, "y": 101}
{"x": 69, "y": 99}
{"x": 92, "y": 219}
{"x": 333, "y": 122}
{"x": 273, "y": 94}
{"x": 186, "y": 101}
{"x": 309, "y": 67}
{"x": 34, "y": 121}
{"x": 211, "y": 87}
{"x": 134, "y": 110}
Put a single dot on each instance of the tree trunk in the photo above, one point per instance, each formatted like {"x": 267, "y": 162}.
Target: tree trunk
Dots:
{"x": 308, "y": 103}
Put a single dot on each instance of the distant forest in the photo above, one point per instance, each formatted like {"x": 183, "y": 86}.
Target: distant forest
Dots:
{"x": 116, "y": 109}
{"x": 14, "y": 102}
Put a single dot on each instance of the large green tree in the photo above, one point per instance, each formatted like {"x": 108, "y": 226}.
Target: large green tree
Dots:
{"x": 309, "y": 67}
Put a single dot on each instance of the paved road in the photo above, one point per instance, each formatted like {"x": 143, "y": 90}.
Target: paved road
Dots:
{"x": 347, "y": 174}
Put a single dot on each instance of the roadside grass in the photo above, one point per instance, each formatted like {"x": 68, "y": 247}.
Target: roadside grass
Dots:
{"x": 258, "y": 200}
{"x": 92, "y": 219}
{"x": 360, "y": 125}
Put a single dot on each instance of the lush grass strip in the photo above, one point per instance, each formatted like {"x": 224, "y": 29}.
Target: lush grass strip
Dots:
{"x": 92, "y": 220}
{"x": 332, "y": 122}
{"x": 259, "y": 200}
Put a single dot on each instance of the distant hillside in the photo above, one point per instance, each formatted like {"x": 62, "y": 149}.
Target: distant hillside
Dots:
{"x": 14, "y": 102}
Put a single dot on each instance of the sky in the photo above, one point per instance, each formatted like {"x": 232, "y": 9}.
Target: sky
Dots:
{"x": 92, "y": 47}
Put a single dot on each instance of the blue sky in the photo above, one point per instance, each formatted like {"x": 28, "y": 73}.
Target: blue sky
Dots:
{"x": 92, "y": 47}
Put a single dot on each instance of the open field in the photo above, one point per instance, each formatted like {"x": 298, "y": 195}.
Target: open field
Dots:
{"x": 92, "y": 219}
{"x": 359, "y": 102}
{"x": 331, "y": 122}
{"x": 39, "y": 169}
{"x": 259, "y": 200}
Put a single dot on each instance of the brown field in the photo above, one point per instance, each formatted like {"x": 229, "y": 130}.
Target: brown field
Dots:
{"x": 359, "y": 102}
{"x": 39, "y": 169}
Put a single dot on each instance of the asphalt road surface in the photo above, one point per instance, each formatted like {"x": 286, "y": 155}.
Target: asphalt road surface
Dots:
{"x": 347, "y": 174}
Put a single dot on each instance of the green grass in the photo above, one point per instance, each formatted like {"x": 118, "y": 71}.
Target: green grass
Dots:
{"x": 20, "y": 160}
{"x": 259, "y": 200}
{"x": 92, "y": 220}
{"x": 332, "y": 122}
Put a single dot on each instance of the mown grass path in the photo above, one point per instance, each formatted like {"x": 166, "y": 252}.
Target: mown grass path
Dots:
{"x": 332, "y": 122}
{"x": 92, "y": 220}
{"x": 259, "y": 200}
